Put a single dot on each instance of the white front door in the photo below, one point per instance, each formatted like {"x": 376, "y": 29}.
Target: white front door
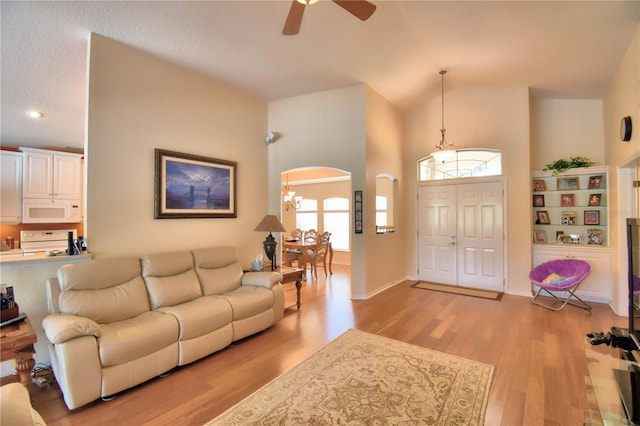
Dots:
{"x": 460, "y": 237}
{"x": 437, "y": 234}
{"x": 480, "y": 238}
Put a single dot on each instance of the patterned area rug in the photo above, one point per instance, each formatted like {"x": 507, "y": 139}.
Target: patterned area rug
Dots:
{"x": 365, "y": 379}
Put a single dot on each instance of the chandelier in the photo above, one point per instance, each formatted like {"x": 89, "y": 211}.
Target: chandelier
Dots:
{"x": 290, "y": 201}
{"x": 445, "y": 151}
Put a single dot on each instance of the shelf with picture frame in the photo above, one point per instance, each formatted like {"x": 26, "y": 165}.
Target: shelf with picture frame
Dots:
{"x": 570, "y": 208}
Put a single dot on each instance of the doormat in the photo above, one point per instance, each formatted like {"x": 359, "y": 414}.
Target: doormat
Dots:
{"x": 484, "y": 294}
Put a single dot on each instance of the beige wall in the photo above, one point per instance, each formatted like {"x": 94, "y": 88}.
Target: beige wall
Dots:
{"x": 496, "y": 118}
{"x": 564, "y": 128}
{"x": 622, "y": 99}
{"x": 137, "y": 103}
{"x": 385, "y": 252}
{"x": 324, "y": 129}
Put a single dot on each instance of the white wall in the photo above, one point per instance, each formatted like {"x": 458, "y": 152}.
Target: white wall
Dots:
{"x": 496, "y": 118}
{"x": 137, "y": 103}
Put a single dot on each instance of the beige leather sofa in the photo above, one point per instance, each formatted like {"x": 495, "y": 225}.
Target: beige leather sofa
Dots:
{"x": 117, "y": 322}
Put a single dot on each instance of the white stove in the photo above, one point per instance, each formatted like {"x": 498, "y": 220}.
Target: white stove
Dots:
{"x": 50, "y": 242}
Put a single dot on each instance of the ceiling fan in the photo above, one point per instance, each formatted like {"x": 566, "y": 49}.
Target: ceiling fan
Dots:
{"x": 361, "y": 9}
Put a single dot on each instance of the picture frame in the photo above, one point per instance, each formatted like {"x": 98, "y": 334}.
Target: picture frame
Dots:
{"x": 565, "y": 183}
{"x": 538, "y": 200}
{"x": 592, "y": 217}
{"x": 595, "y": 237}
{"x": 194, "y": 186}
{"x": 595, "y": 181}
{"x": 568, "y": 218}
{"x": 358, "y": 213}
{"x": 559, "y": 235}
{"x": 567, "y": 200}
{"x": 543, "y": 217}
{"x": 539, "y": 185}
{"x": 539, "y": 237}
{"x": 594, "y": 199}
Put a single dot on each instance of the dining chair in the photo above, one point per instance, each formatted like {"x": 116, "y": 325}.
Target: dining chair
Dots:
{"x": 319, "y": 257}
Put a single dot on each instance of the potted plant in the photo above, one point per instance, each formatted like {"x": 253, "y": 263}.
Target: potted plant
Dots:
{"x": 562, "y": 164}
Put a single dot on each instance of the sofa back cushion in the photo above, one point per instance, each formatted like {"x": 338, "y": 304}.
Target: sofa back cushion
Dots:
{"x": 104, "y": 290}
{"x": 218, "y": 269}
{"x": 170, "y": 278}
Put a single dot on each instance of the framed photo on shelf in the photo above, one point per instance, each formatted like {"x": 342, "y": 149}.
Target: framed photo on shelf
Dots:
{"x": 565, "y": 183}
{"x": 568, "y": 218}
{"x": 543, "y": 217}
{"x": 193, "y": 186}
{"x": 538, "y": 201}
{"x": 559, "y": 235}
{"x": 594, "y": 236}
{"x": 567, "y": 200}
{"x": 539, "y": 185}
{"x": 592, "y": 217}
{"x": 539, "y": 237}
{"x": 595, "y": 181}
{"x": 594, "y": 199}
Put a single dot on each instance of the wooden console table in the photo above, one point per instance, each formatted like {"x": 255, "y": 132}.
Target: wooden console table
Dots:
{"x": 16, "y": 342}
{"x": 290, "y": 275}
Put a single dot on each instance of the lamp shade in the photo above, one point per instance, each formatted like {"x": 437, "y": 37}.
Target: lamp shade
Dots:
{"x": 270, "y": 223}
{"x": 444, "y": 155}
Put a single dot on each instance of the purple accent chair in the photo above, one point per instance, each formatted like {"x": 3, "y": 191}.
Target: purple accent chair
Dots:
{"x": 563, "y": 291}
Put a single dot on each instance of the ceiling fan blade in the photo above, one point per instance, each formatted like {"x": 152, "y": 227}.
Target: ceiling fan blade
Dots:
{"x": 361, "y": 9}
{"x": 294, "y": 19}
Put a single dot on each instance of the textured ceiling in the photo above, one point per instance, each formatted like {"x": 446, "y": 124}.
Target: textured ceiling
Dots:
{"x": 559, "y": 49}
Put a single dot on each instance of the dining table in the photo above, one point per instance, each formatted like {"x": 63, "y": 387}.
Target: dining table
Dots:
{"x": 304, "y": 248}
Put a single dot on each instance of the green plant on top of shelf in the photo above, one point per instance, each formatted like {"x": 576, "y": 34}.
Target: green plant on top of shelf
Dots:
{"x": 562, "y": 164}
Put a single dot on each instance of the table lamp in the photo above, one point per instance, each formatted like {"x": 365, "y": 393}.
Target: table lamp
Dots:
{"x": 271, "y": 224}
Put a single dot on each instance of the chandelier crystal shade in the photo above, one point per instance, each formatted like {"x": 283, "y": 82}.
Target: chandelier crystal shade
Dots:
{"x": 445, "y": 151}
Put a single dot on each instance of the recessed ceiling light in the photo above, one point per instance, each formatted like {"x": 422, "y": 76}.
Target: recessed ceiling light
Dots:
{"x": 35, "y": 114}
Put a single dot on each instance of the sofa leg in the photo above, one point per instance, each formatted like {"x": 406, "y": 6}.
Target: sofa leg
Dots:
{"x": 108, "y": 397}
{"x": 165, "y": 374}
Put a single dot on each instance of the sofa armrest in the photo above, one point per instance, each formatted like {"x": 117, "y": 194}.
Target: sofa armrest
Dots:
{"x": 15, "y": 406}
{"x": 60, "y": 328}
{"x": 261, "y": 279}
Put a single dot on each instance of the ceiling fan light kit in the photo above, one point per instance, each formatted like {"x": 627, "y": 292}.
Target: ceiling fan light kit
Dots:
{"x": 361, "y": 9}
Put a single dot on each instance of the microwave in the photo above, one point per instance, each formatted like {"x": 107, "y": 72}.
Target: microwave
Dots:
{"x": 51, "y": 211}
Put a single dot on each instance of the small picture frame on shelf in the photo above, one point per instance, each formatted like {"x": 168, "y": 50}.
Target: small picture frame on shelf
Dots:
{"x": 543, "y": 217}
{"x": 565, "y": 183}
{"x": 592, "y": 217}
{"x": 539, "y": 185}
{"x": 559, "y": 235}
{"x": 594, "y": 236}
{"x": 595, "y": 181}
{"x": 568, "y": 218}
{"x": 594, "y": 199}
{"x": 538, "y": 201}
{"x": 539, "y": 237}
{"x": 567, "y": 200}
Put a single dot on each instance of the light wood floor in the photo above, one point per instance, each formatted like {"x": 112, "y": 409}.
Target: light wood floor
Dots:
{"x": 538, "y": 354}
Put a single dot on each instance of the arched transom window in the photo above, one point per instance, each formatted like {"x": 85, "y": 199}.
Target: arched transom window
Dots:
{"x": 461, "y": 163}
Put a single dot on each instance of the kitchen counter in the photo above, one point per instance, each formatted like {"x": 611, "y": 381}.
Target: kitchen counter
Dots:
{"x": 16, "y": 259}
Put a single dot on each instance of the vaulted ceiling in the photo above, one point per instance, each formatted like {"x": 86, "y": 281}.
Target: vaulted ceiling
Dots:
{"x": 564, "y": 49}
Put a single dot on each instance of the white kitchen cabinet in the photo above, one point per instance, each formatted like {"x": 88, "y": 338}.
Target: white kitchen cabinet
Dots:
{"x": 51, "y": 174}
{"x": 10, "y": 187}
{"x": 597, "y": 286}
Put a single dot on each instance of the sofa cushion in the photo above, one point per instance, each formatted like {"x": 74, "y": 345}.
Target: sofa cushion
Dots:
{"x": 106, "y": 305}
{"x": 200, "y": 316}
{"x": 218, "y": 269}
{"x": 99, "y": 273}
{"x": 127, "y": 340}
{"x": 248, "y": 301}
{"x": 170, "y": 278}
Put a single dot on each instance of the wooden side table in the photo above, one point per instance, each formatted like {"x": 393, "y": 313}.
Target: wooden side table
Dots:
{"x": 16, "y": 342}
{"x": 290, "y": 275}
